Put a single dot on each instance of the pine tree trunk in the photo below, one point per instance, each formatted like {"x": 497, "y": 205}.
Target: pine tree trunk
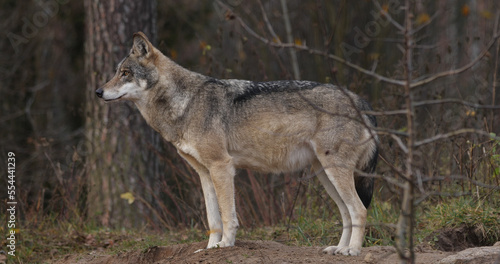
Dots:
{"x": 121, "y": 155}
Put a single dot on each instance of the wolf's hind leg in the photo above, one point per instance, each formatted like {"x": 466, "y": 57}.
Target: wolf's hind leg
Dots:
{"x": 340, "y": 172}
{"x": 344, "y": 212}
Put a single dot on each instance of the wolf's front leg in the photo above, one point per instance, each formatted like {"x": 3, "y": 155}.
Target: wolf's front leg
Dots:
{"x": 222, "y": 174}
{"x": 213, "y": 215}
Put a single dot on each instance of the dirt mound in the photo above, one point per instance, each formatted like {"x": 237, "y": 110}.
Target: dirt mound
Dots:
{"x": 246, "y": 252}
{"x": 459, "y": 238}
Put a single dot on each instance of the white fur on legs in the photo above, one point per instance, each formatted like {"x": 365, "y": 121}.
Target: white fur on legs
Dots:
{"x": 345, "y": 195}
{"x": 344, "y": 212}
{"x": 222, "y": 175}
{"x": 213, "y": 215}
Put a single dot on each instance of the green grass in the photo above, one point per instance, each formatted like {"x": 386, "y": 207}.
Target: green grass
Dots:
{"x": 318, "y": 226}
{"x": 469, "y": 212}
{"x": 50, "y": 238}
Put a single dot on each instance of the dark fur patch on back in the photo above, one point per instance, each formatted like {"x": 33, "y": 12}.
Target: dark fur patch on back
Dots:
{"x": 214, "y": 81}
{"x": 259, "y": 88}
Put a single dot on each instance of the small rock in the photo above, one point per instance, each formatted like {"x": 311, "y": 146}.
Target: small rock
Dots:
{"x": 368, "y": 258}
{"x": 470, "y": 254}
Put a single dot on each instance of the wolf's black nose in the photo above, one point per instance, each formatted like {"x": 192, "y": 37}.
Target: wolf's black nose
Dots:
{"x": 99, "y": 92}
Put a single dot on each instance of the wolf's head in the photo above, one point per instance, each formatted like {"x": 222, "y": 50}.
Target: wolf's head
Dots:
{"x": 135, "y": 74}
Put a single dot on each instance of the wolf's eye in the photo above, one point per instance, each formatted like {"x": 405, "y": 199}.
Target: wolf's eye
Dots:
{"x": 125, "y": 73}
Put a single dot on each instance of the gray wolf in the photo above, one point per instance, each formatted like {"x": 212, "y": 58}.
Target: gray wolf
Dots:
{"x": 218, "y": 126}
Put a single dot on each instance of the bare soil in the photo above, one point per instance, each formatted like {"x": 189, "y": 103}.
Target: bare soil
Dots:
{"x": 248, "y": 251}
{"x": 450, "y": 246}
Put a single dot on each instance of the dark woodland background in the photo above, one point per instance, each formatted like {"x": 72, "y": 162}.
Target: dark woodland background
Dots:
{"x": 78, "y": 158}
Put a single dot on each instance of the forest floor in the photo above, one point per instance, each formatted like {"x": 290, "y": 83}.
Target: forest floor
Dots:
{"x": 462, "y": 232}
{"x": 251, "y": 251}
{"x": 260, "y": 251}
{"x": 246, "y": 251}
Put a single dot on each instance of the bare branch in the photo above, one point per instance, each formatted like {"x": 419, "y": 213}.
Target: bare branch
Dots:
{"x": 311, "y": 51}
{"x": 386, "y": 113}
{"x": 461, "y": 177}
{"x": 426, "y": 23}
{"x": 289, "y": 37}
{"x": 371, "y": 73}
{"x": 432, "y": 102}
{"x": 457, "y": 101}
{"x": 452, "y": 134}
{"x": 459, "y": 70}
{"x": 268, "y": 24}
{"x": 351, "y": 65}
{"x": 493, "y": 88}
{"x": 388, "y": 16}
{"x": 385, "y": 131}
{"x": 400, "y": 143}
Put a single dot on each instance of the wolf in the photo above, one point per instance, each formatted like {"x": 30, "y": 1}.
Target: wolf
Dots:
{"x": 220, "y": 125}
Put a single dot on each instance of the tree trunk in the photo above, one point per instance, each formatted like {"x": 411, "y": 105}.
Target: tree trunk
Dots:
{"x": 121, "y": 156}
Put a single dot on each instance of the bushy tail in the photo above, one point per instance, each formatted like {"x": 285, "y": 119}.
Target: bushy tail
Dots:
{"x": 364, "y": 185}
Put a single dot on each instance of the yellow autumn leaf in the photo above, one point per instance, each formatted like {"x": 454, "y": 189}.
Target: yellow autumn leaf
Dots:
{"x": 298, "y": 42}
{"x": 374, "y": 56}
{"x": 470, "y": 113}
{"x": 465, "y": 10}
{"x": 486, "y": 14}
{"x": 423, "y": 18}
{"x": 205, "y": 47}
{"x": 128, "y": 196}
{"x": 203, "y": 44}
{"x": 173, "y": 54}
{"x": 385, "y": 7}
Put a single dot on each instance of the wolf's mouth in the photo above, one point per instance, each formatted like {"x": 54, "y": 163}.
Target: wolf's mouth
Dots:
{"x": 114, "y": 99}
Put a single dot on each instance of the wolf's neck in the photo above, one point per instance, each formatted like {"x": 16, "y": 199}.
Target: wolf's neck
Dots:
{"x": 167, "y": 102}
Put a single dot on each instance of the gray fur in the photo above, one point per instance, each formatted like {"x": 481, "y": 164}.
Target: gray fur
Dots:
{"x": 279, "y": 126}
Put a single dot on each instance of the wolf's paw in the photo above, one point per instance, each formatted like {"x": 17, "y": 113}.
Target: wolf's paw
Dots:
{"x": 213, "y": 243}
{"x": 223, "y": 243}
{"x": 348, "y": 251}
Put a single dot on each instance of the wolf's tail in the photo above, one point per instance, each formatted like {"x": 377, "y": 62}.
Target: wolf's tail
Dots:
{"x": 364, "y": 185}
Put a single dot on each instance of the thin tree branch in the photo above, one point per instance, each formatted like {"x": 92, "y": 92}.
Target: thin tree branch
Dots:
{"x": 310, "y": 50}
{"x": 289, "y": 37}
{"x": 268, "y": 24}
{"x": 426, "y": 23}
{"x": 493, "y": 85}
{"x": 459, "y": 70}
{"x": 379, "y": 77}
{"x": 385, "y": 113}
{"x": 457, "y": 101}
{"x": 432, "y": 102}
{"x": 400, "y": 143}
{"x": 461, "y": 177}
{"x": 452, "y": 134}
{"x": 389, "y": 17}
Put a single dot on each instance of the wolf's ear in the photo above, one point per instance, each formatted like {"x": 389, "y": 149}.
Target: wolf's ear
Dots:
{"x": 142, "y": 46}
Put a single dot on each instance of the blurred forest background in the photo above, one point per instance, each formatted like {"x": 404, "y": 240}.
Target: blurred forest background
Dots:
{"x": 80, "y": 160}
